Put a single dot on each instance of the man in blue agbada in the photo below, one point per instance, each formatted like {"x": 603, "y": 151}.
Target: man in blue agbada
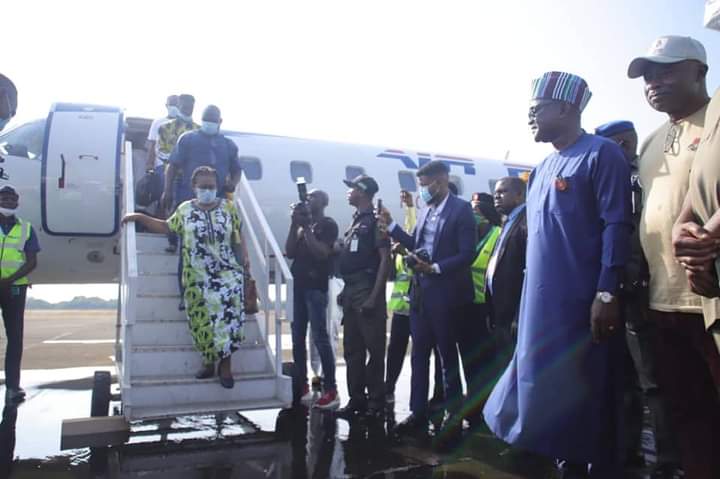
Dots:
{"x": 559, "y": 395}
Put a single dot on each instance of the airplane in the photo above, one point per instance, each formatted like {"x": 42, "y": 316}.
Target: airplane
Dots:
{"x": 67, "y": 170}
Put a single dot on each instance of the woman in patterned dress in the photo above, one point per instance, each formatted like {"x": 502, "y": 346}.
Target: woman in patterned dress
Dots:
{"x": 212, "y": 276}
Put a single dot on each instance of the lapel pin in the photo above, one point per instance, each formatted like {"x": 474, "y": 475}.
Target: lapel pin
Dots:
{"x": 561, "y": 183}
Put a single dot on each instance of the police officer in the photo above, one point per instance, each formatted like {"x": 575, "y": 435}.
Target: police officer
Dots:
{"x": 640, "y": 332}
{"x": 18, "y": 257}
{"x": 364, "y": 266}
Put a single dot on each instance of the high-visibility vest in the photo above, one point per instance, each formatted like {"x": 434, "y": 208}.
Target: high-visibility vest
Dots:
{"x": 399, "y": 301}
{"x": 12, "y": 250}
{"x": 479, "y": 267}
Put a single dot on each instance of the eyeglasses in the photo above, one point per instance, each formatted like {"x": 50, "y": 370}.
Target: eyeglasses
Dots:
{"x": 535, "y": 109}
{"x": 672, "y": 139}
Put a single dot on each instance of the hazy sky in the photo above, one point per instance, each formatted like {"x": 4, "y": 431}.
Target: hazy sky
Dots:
{"x": 446, "y": 76}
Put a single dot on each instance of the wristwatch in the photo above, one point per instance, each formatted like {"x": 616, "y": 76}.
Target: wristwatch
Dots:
{"x": 605, "y": 297}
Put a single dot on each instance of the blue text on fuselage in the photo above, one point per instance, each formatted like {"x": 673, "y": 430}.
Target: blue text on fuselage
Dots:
{"x": 424, "y": 158}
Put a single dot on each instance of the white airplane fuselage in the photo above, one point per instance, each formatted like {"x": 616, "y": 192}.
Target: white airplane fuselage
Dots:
{"x": 67, "y": 171}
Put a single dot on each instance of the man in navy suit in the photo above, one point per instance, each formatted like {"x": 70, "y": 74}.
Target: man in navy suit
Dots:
{"x": 446, "y": 231}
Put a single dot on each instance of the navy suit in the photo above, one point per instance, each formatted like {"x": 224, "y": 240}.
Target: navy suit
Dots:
{"x": 431, "y": 324}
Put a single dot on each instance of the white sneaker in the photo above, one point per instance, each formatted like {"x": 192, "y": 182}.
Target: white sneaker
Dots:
{"x": 308, "y": 395}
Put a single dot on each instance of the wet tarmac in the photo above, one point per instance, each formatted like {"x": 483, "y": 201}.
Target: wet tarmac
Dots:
{"x": 259, "y": 444}
{"x": 297, "y": 443}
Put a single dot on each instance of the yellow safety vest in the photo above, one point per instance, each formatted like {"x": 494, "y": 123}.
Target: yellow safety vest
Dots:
{"x": 399, "y": 301}
{"x": 479, "y": 267}
{"x": 12, "y": 250}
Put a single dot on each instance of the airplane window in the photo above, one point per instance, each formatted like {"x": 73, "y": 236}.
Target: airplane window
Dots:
{"x": 351, "y": 172}
{"x": 251, "y": 167}
{"x": 301, "y": 169}
{"x": 26, "y": 140}
{"x": 457, "y": 181}
{"x": 407, "y": 181}
{"x": 491, "y": 184}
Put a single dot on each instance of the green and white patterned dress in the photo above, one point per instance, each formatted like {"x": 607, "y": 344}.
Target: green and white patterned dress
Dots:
{"x": 211, "y": 277}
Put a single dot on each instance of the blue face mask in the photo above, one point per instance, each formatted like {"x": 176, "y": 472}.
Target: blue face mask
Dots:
{"x": 205, "y": 196}
{"x": 425, "y": 194}
{"x": 210, "y": 127}
{"x": 173, "y": 111}
{"x": 184, "y": 117}
{"x": 4, "y": 122}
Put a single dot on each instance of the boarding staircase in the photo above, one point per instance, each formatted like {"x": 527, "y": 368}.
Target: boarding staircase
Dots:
{"x": 155, "y": 358}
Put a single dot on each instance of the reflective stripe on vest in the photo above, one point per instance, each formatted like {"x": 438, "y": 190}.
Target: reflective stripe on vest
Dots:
{"x": 12, "y": 253}
{"x": 479, "y": 267}
{"x": 399, "y": 301}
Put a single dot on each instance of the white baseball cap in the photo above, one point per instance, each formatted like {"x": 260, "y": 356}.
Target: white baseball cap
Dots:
{"x": 668, "y": 49}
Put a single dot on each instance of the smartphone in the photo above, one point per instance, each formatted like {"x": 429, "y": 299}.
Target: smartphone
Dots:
{"x": 302, "y": 189}
{"x": 379, "y": 206}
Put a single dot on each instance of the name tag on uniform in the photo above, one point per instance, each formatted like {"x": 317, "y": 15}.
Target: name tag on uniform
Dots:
{"x": 354, "y": 245}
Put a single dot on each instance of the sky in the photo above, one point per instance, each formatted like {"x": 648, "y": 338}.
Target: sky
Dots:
{"x": 446, "y": 76}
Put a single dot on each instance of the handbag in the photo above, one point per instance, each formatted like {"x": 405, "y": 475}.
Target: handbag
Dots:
{"x": 148, "y": 188}
{"x": 250, "y": 295}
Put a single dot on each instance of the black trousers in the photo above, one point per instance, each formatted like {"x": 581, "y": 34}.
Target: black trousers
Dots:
{"x": 478, "y": 352}
{"x": 364, "y": 335}
{"x": 12, "y": 303}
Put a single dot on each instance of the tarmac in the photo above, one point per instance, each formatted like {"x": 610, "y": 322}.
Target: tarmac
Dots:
{"x": 62, "y": 351}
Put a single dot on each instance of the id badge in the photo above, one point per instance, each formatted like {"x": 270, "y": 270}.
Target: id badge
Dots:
{"x": 354, "y": 245}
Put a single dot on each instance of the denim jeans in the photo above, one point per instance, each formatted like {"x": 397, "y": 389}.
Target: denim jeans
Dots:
{"x": 12, "y": 302}
{"x": 310, "y": 306}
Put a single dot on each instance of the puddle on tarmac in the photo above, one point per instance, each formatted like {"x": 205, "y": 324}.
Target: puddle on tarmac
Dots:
{"x": 257, "y": 444}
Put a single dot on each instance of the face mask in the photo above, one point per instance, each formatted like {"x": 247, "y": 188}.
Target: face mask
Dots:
{"x": 7, "y": 211}
{"x": 426, "y": 195}
{"x": 712, "y": 14}
{"x": 173, "y": 111}
{"x": 205, "y": 196}
{"x": 4, "y": 122}
{"x": 184, "y": 117}
{"x": 210, "y": 127}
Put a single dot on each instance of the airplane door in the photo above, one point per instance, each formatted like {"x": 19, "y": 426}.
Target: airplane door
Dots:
{"x": 81, "y": 170}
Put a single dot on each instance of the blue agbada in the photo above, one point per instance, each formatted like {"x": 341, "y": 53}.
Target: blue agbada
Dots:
{"x": 557, "y": 396}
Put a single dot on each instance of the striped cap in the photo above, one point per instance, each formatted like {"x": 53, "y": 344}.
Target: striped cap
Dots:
{"x": 561, "y": 86}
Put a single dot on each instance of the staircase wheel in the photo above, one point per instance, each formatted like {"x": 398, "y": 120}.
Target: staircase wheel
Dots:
{"x": 100, "y": 403}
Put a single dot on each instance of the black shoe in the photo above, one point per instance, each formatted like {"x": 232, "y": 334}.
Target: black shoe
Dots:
{"x": 228, "y": 382}
{"x": 448, "y": 437}
{"x": 207, "y": 371}
{"x": 171, "y": 248}
{"x": 413, "y": 425}
{"x": 436, "y": 404}
{"x": 374, "y": 413}
{"x": 666, "y": 471}
{"x": 351, "y": 411}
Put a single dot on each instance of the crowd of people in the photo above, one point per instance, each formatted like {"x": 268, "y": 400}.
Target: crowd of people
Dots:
{"x": 567, "y": 304}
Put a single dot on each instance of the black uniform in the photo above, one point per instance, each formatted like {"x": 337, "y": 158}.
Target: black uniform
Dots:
{"x": 640, "y": 333}
{"x": 364, "y": 331}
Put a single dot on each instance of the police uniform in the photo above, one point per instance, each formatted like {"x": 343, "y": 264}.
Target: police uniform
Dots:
{"x": 364, "y": 331}
{"x": 17, "y": 241}
{"x": 640, "y": 331}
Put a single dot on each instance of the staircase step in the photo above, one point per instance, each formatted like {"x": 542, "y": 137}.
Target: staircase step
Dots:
{"x": 157, "y": 263}
{"x": 152, "y": 243}
{"x": 175, "y": 410}
{"x": 177, "y": 333}
{"x": 178, "y": 361}
{"x": 164, "y": 285}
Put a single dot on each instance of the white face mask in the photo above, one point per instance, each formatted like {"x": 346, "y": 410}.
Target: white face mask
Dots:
{"x": 7, "y": 211}
{"x": 712, "y": 14}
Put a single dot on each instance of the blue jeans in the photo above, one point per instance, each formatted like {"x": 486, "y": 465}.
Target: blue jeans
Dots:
{"x": 310, "y": 306}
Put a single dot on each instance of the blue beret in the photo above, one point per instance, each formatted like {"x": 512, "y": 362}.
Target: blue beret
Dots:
{"x": 613, "y": 128}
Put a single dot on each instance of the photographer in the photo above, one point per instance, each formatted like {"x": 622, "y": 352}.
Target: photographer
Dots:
{"x": 309, "y": 244}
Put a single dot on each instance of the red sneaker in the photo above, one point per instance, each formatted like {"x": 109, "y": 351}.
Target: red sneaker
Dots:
{"x": 329, "y": 400}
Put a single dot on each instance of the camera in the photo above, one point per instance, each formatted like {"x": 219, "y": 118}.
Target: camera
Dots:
{"x": 302, "y": 189}
{"x": 418, "y": 254}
